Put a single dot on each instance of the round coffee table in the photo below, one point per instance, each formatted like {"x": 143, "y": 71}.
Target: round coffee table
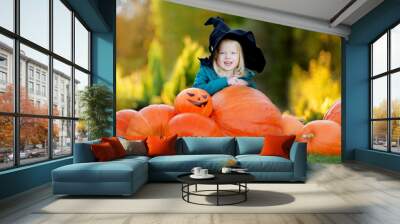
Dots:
{"x": 238, "y": 179}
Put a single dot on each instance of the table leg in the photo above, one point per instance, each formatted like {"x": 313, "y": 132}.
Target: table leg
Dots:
{"x": 245, "y": 193}
{"x": 188, "y": 189}
{"x": 196, "y": 188}
{"x": 217, "y": 194}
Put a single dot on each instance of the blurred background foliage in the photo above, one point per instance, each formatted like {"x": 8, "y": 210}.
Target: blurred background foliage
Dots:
{"x": 158, "y": 44}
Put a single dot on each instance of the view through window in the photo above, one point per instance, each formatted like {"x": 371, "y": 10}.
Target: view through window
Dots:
{"x": 385, "y": 94}
{"x": 44, "y": 65}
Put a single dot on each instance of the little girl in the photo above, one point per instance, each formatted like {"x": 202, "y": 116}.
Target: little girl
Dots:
{"x": 233, "y": 54}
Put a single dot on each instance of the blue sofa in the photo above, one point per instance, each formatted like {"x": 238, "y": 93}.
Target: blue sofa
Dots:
{"x": 125, "y": 176}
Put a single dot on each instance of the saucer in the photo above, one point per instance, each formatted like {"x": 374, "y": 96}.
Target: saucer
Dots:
{"x": 208, "y": 176}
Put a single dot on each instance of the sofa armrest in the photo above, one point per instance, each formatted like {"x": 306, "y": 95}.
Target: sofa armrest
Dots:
{"x": 83, "y": 153}
{"x": 298, "y": 155}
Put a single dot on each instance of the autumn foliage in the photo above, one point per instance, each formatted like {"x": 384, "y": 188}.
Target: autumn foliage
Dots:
{"x": 33, "y": 130}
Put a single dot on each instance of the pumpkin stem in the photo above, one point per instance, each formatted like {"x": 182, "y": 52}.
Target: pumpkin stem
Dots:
{"x": 308, "y": 136}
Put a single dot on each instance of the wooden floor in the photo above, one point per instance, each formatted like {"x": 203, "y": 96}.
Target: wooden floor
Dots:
{"x": 377, "y": 188}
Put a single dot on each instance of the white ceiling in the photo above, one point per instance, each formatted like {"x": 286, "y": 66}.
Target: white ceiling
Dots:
{"x": 326, "y": 16}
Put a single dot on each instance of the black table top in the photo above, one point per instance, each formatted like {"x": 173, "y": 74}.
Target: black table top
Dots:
{"x": 220, "y": 178}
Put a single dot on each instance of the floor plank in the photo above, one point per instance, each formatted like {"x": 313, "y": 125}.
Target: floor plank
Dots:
{"x": 377, "y": 190}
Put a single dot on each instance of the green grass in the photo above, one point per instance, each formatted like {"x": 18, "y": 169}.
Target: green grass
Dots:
{"x": 315, "y": 158}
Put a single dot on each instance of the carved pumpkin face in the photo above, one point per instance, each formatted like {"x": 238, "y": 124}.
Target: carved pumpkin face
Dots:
{"x": 193, "y": 100}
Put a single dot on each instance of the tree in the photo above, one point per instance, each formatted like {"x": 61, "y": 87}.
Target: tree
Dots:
{"x": 184, "y": 71}
{"x": 33, "y": 131}
{"x": 313, "y": 92}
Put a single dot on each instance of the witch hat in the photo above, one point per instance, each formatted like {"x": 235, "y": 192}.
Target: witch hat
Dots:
{"x": 253, "y": 56}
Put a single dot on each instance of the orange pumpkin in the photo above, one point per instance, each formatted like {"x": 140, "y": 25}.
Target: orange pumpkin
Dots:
{"x": 193, "y": 124}
{"x": 245, "y": 111}
{"x": 292, "y": 126}
{"x": 122, "y": 121}
{"x": 334, "y": 113}
{"x": 194, "y": 100}
{"x": 157, "y": 116}
{"x": 323, "y": 137}
{"x": 138, "y": 126}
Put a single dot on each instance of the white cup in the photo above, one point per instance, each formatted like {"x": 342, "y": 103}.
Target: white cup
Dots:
{"x": 203, "y": 172}
{"x": 196, "y": 171}
{"x": 226, "y": 170}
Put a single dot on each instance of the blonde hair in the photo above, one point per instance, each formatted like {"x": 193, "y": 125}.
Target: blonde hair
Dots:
{"x": 240, "y": 68}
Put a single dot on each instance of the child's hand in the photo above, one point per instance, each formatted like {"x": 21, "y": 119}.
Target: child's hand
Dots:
{"x": 234, "y": 81}
{"x": 241, "y": 82}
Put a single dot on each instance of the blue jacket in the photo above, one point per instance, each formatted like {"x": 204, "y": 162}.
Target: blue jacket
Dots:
{"x": 208, "y": 79}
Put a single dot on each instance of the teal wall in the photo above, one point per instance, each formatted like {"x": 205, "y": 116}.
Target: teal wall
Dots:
{"x": 355, "y": 88}
{"x": 99, "y": 16}
{"x": 103, "y": 53}
{"x": 24, "y": 178}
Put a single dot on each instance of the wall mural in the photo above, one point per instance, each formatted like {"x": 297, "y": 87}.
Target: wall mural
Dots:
{"x": 193, "y": 72}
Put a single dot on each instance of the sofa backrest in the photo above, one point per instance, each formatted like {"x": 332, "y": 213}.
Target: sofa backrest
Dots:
{"x": 83, "y": 152}
{"x": 206, "y": 145}
{"x": 249, "y": 145}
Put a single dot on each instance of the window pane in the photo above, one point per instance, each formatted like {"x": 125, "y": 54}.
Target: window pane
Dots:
{"x": 395, "y": 47}
{"x": 81, "y": 131}
{"x": 379, "y": 135}
{"x": 81, "y": 81}
{"x": 34, "y": 78}
{"x": 62, "y": 138}
{"x": 7, "y": 14}
{"x": 6, "y": 142}
{"x": 62, "y": 89}
{"x": 379, "y": 55}
{"x": 395, "y": 136}
{"x": 35, "y": 21}
{"x": 62, "y": 29}
{"x": 395, "y": 94}
{"x": 33, "y": 139}
{"x": 6, "y": 74}
{"x": 379, "y": 98}
{"x": 81, "y": 45}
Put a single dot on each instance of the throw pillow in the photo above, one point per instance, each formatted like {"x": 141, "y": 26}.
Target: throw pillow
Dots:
{"x": 277, "y": 145}
{"x": 134, "y": 147}
{"x": 158, "y": 145}
{"x": 135, "y": 137}
{"x": 116, "y": 145}
{"x": 103, "y": 151}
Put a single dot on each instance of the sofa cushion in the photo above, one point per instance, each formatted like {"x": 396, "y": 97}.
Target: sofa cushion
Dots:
{"x": 103, "y": 151}
{"x": 185, "y": 163}
{"x": 134, "y": 147}
{"x": 257, "y": 163}
{"x": 161, "y": 145}
{"x": 116, "y": 145}
{"x": 131, "y": 158}
{"x": 83, "y": 152}
{"x": 275, "y": 145}
{"x": 111, "y": 171}
{"x": 249, "y": 145}
{"x": 206, "y": 145}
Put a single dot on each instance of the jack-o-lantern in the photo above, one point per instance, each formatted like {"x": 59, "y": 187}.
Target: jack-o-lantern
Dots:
{"x": 193, "y": 100}
{"x": 245, "y": 111}
{"x": 192, "y": 124}
{"x": 292, "y": 126}
{"x": 157, "y": 116}
{"x": 323, "y": 137}
{"x": 334, "y": 113}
